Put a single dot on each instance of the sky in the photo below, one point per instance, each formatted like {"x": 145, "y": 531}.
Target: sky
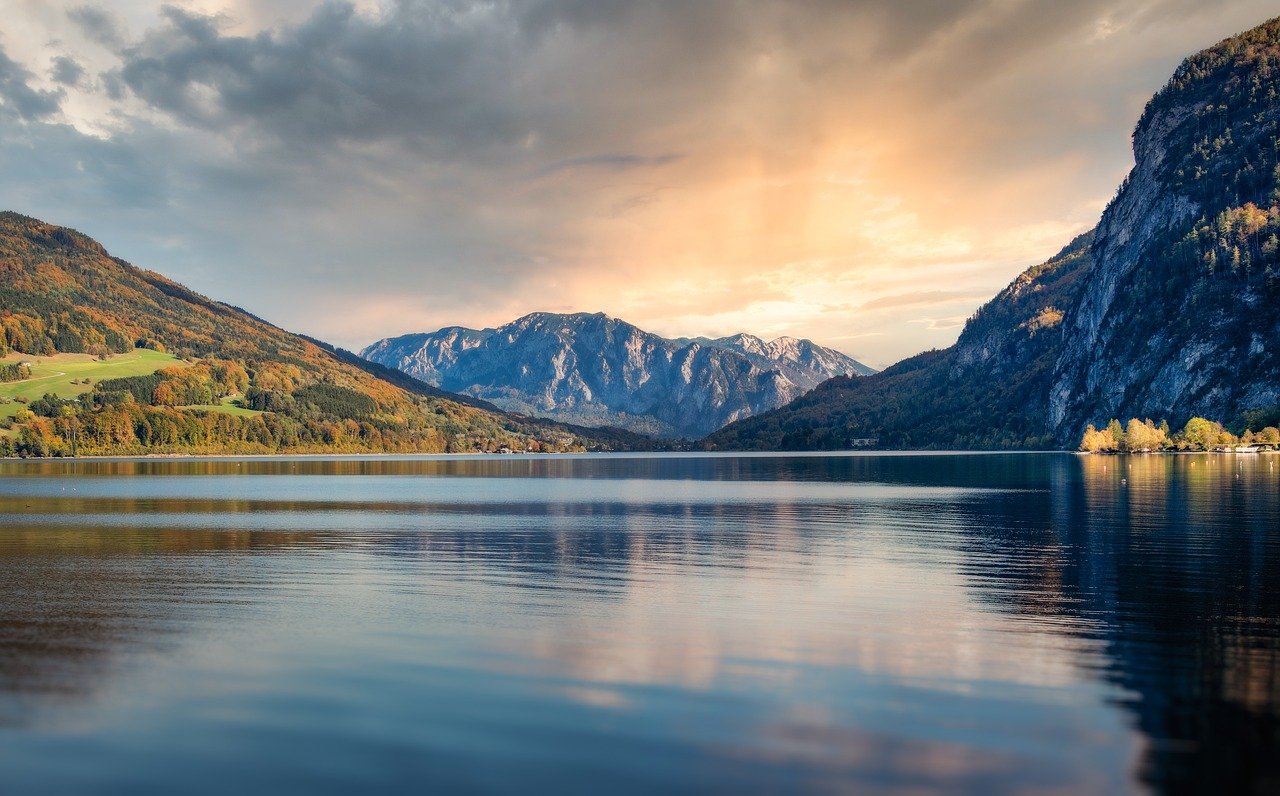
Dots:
{"x": 863, "y": 173}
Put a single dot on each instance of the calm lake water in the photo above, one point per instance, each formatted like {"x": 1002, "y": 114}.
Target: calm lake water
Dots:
{"x": 869, "y": 623}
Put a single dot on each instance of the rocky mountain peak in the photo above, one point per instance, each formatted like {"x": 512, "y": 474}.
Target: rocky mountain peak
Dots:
{"x": 594, "y": 369}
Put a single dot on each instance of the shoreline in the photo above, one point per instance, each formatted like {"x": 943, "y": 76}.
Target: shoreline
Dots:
{"x": 1177, "y": 453}
{"x": 615, "y": 454}
{"x": 619, "y": 454}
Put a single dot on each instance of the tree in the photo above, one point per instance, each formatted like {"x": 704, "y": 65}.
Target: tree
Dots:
{"x": 1095, "y": 440}
{"x": 68, "y": 411}
{"x": 1201, "y": 433}
{"x": 1117, "y": 434}
{"x": 1143, "y": 436}
{"x": 1092, "y": 440}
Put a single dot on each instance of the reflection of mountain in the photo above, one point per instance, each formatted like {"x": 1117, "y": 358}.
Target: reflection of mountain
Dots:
{"x": 1174, "y": 562}
{"x": 1190, "y": 583}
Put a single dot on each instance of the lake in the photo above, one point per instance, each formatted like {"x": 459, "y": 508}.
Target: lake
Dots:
{"x": 612, "y": 624}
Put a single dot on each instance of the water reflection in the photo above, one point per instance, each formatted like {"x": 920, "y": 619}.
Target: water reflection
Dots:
{"x": 1179, "y": 554}
{"x": 885, "y": 622}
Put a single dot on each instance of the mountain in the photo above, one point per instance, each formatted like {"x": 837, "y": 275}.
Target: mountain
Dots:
{"x": 1165, "y": 310}
{"x": 1178, "y": 317}
{"x": 222, "y": 380}
{"x": 802, "y": 362}
{"x": 592, "y": 369}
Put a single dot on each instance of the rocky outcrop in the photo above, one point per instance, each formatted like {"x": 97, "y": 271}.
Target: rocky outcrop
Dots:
{"x": 1084, "y": 382}
{"x": 596, "y": 370}
{"x": 803, "y": 362}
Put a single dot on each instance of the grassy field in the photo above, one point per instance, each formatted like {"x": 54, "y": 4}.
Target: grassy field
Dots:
{"x": 229, "y": 406}
{"x": 55, "y": 374}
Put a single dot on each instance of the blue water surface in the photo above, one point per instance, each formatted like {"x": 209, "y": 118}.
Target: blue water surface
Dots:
{"x": 649, "y": 623}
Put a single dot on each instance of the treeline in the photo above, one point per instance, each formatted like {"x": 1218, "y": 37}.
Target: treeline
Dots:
{"x": 136, "y": 429}
{"x": 52, "y": 426}
{"x": 1199, "y": 434}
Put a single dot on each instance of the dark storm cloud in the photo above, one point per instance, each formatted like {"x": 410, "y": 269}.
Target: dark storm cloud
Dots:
{"x": 438, "y": 74}
{"x": 463, "y": 79}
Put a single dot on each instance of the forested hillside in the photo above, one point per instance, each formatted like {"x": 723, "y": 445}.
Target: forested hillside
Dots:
{"x": 1179, "y": 315}
{"x": 239, "y": 384}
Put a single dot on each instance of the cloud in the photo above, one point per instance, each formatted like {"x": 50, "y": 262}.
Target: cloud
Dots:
{"x": 19, "y": 98}
{"x": 923, "y": 298}
{"x": 434, "y": 76}
{"x": 934, "y": 324}
{"x": 610, "y": 162}
{"x": 66, "y": 71}
{"x": 97, "y": 24}
{"x": 827, "y": 169}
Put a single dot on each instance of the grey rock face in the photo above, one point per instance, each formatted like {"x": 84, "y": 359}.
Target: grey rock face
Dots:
{"x": 595, "y": 370}
{"x": 1131, "y": 347}
{"x": 802, "y": 362}
{"x": 1085, "y": 382}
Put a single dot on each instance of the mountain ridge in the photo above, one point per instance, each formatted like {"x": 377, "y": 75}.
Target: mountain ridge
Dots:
{"x": 591, "y": 368}
{"x": 980, "y": 392}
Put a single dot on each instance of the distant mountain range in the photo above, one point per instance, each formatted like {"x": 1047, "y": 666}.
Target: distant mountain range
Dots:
{"x": 1166, "y": 310}
{"x": 594, "y": 370}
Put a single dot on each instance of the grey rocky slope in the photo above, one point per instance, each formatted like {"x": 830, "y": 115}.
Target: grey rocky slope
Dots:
{"x": 596, "y": 370}
{"x": 1178, "y": 316}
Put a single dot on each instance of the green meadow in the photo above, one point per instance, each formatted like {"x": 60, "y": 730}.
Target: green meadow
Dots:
{"x": 229, "y": 406}
{"x": 56, "y": 374}
{"x": 69, "y": 375}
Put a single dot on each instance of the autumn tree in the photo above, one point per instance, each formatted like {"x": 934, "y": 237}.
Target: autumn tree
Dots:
{"x": 1201, "y": 433}
{"x": 1095, "y": 440}
{"x": 1143, "y": 435}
